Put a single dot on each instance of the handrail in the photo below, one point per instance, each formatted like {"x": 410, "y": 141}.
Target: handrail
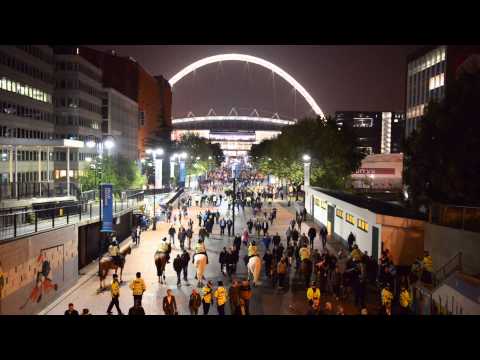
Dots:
{"x": 443, "y": 271}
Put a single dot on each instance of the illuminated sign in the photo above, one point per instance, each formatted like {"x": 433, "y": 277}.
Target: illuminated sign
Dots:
{"x": 375, "y": 171}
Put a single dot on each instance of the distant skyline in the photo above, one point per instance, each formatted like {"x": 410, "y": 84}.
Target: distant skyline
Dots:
{"x": 366, "y": 78}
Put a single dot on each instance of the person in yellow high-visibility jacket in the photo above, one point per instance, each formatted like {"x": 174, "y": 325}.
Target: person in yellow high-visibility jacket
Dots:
{"x": 313, "y": 292}
{"x": 115, "y": 291}
{"x": 221, "y": 297}
{"x": 387, "y": 298}
{"x": 138, "y": 288}
{"x": 405, "y": 301}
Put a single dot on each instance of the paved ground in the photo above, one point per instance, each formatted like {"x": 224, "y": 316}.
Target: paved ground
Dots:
{"x": 265, "y": 300}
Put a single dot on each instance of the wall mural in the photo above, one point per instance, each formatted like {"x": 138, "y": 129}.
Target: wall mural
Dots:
{"x": 44, "y": 274}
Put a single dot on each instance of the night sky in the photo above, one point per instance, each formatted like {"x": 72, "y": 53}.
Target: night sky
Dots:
{"x": 369, "y": 78}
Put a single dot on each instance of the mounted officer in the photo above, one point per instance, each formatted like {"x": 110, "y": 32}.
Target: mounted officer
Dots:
{"x": 200, "y": 249}
{"x": 166, "y": 248}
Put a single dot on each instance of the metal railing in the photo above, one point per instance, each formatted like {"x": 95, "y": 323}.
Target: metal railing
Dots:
{"x": 22, "y": 223}
{"x": 423, "y": 302}
{"x": 451, "y": 266}
{"x": 27, "y": 190}
{"x": 459, "y": 217}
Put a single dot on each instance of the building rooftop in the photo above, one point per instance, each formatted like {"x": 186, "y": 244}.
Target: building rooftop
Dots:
{"x": 374, "y": 205}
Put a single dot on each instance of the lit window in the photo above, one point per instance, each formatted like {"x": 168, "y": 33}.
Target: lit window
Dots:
{"x": 350, "y": 219}
{"x": 324, "y": 204}
{"x": 339, "y": 213}
{"x": 362, "y": 224}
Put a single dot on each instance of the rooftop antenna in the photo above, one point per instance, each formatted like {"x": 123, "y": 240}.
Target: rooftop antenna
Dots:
{"x": 211, "y": 112}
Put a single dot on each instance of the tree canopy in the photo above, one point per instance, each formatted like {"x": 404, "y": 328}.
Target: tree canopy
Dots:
{"x": 116, "y": 170}
{"x": 333, "y": 151}
{"x": 442, "y": 159}
{"x": 202, "y": 154}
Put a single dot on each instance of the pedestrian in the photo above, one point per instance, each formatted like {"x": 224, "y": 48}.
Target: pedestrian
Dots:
{"x": 324, "y": 234}
{"x": 169, "y": 304}
{"x": 220, "y": 296}
{"x": 265, "y": 226}
{"x": 276, "y": 239}
{"x": 282, "y": 273}
{"x": 350, "y": 241}
{"x": 222, "y": 260}
{"x": 312, "y": 233}
{"x": 138, "y": 288}
{"x": 189, "y": 234}
{"x": 178, "y": 266}
{"x": 171, "y": 233}
{"x": 207, "y": 297}
{"x": 266, "y": 241}
{"x": 245, "y": 296}
{"x": 185, "y": 259}
{"x": 288, "y": 234}
{"x": 295, "y": 235}
{"x": 222, "y": 224}
{"x": 289, "y": 253}
{"x": 229, "y": 226}
{"x": 194, "y": 302}
{"x": 234, "y": 298}
{"x": 387, "y": 298}
{"x": 245, "y": 237}
{"x": 340, "y": 310}
{"x": 115, "y": 292}
{"x": 250, "y": 225}
{"x": 427, "y": 266}
{"x": 86, "y": 312}
{"x": 313, "y": 292}
{"x": 136, "y": 309}
{"x": 71, "y": 310}
{"x": 237, "y": 242}
{"x": 267, "y": 259}
{"x": 315, "y": 308}
{"x": 405, "y": 301}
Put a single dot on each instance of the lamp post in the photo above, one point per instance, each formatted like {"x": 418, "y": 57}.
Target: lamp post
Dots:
{"x": 306, "y": 169}
{"x": 158, "y": 163}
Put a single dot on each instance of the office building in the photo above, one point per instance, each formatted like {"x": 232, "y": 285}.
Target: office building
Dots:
{"x": 26, "y": 113}
{"x": 152, "y": 93}
{"x": 78, "y": 109}
{"x": 120, "y": 119}
{"x": 376, "y": 132}
{"x": 429, "y": 71}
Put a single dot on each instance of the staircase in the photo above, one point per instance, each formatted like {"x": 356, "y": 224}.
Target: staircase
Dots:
{"x": 450, "y": 267}
{"x": 423, "y": 294}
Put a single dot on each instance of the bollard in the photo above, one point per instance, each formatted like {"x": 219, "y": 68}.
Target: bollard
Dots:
{"x": 15, "y": 225}
{"x": 90, "y": 211}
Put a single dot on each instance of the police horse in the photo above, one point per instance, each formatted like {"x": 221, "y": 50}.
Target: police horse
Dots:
{"x": 254, "y": 267}
{"x": 106, "y": 264}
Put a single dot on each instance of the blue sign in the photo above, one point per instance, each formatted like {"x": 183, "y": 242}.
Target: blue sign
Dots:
{"x": 182, "y": 173}
{"x": 106, "y": 192}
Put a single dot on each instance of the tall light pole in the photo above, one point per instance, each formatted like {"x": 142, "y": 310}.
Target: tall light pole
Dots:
{"x": 306, "y": 169}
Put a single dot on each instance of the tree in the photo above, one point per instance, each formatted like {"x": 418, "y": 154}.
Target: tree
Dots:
{"x": 121, "y": 173}
{"x": 202, "y": 154}
{"x": 333, "y": 151}
{"x": 442, "y": 159}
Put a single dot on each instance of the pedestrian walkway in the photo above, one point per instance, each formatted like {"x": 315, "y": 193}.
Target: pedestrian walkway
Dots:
{"x": 265, "y": 300}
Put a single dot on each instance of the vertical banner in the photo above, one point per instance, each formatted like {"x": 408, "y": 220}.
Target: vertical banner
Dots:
{"x": 182, "y": 174}
{"x": 107, "y": 207}
{"x": 158, "y": 173}
{"x": 307, "y": 175}
{"x": 172, "y": 169}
